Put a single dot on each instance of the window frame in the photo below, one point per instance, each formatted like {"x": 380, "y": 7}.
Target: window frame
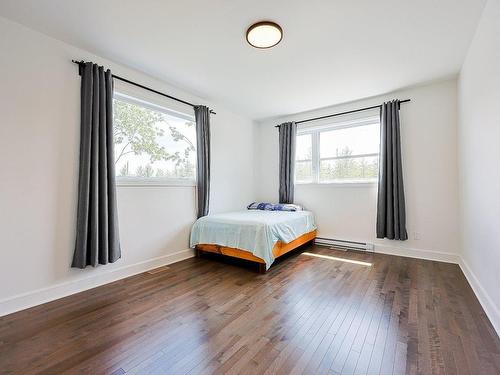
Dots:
{"x": 315, "y": 131}
{"x": 135, "y": 181}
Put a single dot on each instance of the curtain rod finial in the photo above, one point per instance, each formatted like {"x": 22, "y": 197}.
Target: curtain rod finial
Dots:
{"x": 80, "y": 65}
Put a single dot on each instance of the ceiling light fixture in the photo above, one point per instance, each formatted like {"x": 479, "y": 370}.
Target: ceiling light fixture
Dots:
{"x": 264, "y": 34}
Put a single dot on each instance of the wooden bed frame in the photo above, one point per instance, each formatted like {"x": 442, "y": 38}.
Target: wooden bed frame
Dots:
{"x": 279, "y": 249}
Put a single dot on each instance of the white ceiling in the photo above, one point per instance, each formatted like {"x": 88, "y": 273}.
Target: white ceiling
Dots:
{"x": 332, "y": 51}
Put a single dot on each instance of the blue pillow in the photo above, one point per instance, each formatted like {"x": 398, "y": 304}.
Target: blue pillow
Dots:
{"x": 274, "y": 207}
{"x": 287, "y": 207}
{"x": 260, "y": 206}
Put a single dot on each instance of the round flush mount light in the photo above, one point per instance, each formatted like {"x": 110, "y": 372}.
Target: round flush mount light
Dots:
{"x": 264, "y": 34}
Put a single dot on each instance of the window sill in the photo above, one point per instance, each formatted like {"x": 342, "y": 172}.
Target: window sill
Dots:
{"x": 139, "y": 182}
{"x": 368, "y": 184}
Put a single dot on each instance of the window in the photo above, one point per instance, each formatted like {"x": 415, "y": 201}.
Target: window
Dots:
{"x": 303, "y": 157}
{"x": 153, "y": 145}
{"x": 343, "y": 152}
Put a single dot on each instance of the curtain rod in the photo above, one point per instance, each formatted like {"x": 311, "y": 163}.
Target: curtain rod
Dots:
{"x": 80, "y": 63}
{"x": 344, "y": 113}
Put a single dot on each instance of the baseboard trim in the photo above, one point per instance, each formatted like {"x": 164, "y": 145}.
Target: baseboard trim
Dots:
{"x": 51, "y": 293}
{"x": 489, "y": 307}
{"x": 439, "y": 256}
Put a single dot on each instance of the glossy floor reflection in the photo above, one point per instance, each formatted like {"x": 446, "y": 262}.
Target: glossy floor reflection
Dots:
{"x": 317, "y": 311}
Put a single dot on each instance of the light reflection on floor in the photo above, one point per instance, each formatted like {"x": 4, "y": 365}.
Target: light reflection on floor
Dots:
{"x": 339, "y": 259}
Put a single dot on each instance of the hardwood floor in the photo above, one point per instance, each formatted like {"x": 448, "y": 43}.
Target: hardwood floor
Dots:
{"x": 310, "y": 314}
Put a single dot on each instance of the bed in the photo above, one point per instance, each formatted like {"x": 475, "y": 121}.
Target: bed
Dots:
{"x": 256, "y": 235}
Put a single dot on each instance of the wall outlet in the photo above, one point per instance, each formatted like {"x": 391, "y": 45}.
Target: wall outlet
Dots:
{"x": 416, "y": 235}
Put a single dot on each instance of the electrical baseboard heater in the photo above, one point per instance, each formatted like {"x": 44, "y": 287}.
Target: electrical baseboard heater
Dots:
{"x": 343, "y": 244}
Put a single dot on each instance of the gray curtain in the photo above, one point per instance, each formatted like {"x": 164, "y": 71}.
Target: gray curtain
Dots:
{"x": 391, "y": 212}
{"x": 97, "y": 237}
{"x": 287, "y": 133}
{"x": 202, "y": 115}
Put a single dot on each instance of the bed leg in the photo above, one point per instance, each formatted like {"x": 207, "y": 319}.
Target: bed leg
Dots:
{"x": 197, "y": 252}
{"x": 262, "y": 268}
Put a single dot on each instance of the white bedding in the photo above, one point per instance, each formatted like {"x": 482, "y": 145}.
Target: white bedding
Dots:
{"x": 256, "y": 231}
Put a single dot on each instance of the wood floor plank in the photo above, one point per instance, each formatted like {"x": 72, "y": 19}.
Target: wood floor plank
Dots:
{"x": 306, "y": 315}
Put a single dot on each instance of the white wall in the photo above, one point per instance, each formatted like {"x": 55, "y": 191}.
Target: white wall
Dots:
{"x": 479, "y": 152}
{"x": 39, "y": 141}
{"x": 430, "y": 175}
